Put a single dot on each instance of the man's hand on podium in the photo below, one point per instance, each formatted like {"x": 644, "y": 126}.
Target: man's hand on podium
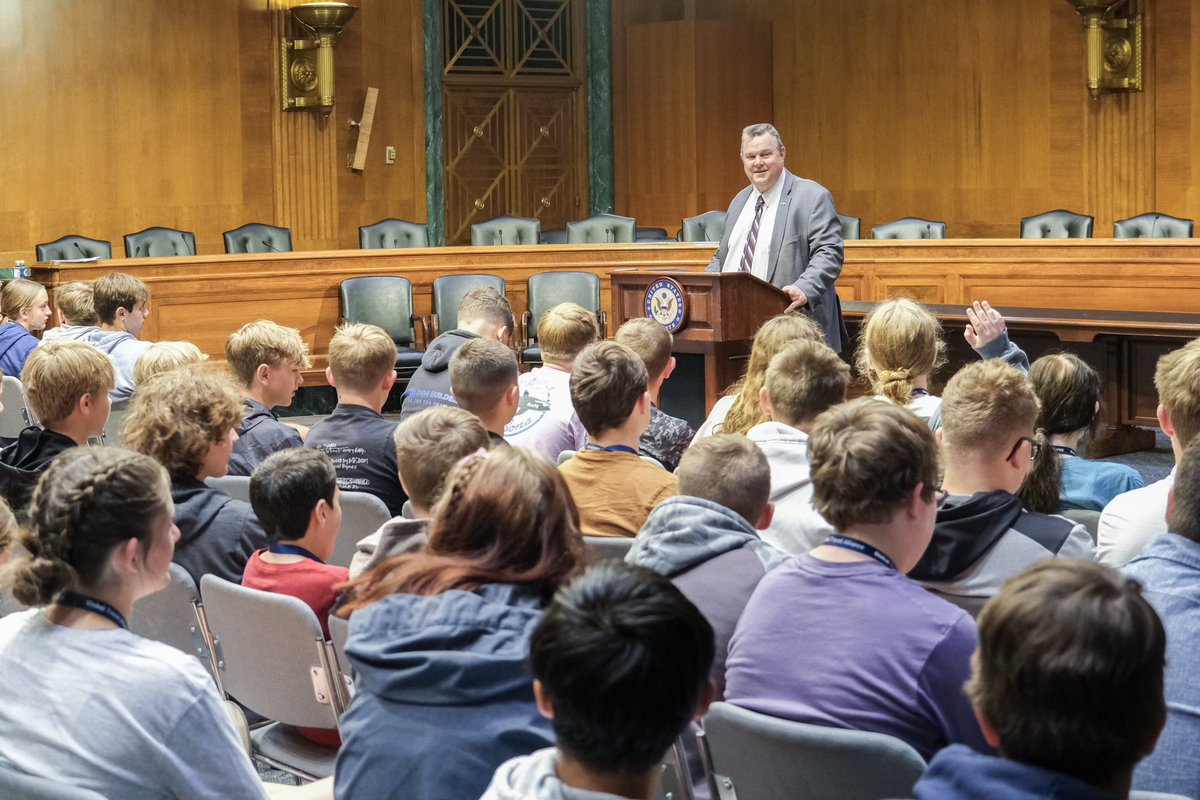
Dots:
{"x": 799, "y": 299}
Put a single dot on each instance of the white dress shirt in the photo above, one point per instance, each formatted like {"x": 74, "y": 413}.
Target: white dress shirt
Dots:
{"x": 741, "y": 231}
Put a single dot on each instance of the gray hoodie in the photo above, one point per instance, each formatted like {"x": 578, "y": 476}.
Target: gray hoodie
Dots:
{"x": 125, "y": 349}
{"x": 534, "y": 777}
{"x": 73, "y": 333}
{"x": 797, "y": 526}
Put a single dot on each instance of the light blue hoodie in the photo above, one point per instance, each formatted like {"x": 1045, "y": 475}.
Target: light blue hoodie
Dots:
{"x": 125, "y": 349}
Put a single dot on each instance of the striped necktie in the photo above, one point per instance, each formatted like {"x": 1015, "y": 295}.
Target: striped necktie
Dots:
{"x": 752, "y": 239}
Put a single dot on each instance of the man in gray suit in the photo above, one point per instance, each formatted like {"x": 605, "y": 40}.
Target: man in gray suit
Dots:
{"x": 784, "y": 230}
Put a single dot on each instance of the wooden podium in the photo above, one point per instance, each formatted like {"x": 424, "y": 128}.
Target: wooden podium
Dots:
{"x": 724, "y": 310}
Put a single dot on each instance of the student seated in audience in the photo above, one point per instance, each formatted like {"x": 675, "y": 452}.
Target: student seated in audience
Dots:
{"x": 90, "y": 704}
{"x": 163, "y": 357}
{"x": 620, "y": 664}
{"x": 66, "y": 387}
{"x": 1132, "y": 520}
{"x": 74, "y": 311}
{"x": 483, "y": 378}
{"x": 803, "y": 380}
{"x": 667, "y": 437}
{"x": 184, "y": 420}
{"x": 613, "y": 488}
{"x": 25, "y": 307}
{"x": 1068, "y": 686}
{"x": 839, "y": 636}
{"x": 1068, "y": 393}
{"x": 428, "y": 445}
{"x": 356, "y": 437}
{"x": 439, "y": 640}
{"x": 901, "y": 347}
{"x": 741, "y": 409}
{"x": 984, "y": 534}
{"x": 122, "y": 305}
{"x": 484, "y": 313}
{"x": 706, "y": 540}
{"x": 1168, "y": 569}
{"x": 266, "y": 360}
{"x": 546, "y": 421}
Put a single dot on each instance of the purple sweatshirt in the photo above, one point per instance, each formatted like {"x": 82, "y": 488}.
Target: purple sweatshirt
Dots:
{"x": 858, "y": 646}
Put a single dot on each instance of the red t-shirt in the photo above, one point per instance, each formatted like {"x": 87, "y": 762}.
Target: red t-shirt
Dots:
{"x": 305, "y": 580}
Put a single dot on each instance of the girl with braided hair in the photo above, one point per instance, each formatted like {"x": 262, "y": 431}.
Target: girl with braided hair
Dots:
{"x": 439, "y": 640}
{"x": 87, "y": 702}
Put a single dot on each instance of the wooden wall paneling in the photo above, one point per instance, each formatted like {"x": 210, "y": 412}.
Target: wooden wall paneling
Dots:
{"x": 1176, "y": 55}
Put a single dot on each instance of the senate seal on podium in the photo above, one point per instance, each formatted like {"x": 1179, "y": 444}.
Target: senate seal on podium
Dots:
{"x": 666, "y": 304}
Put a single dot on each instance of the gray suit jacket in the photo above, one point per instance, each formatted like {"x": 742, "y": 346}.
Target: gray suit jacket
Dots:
{"x": 806, "y": 249}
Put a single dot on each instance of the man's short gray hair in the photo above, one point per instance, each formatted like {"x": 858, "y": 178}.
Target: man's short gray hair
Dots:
{"x": 762, "y": 129}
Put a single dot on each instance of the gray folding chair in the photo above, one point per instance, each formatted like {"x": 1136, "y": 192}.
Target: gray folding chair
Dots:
{"x": 339, "y": 632}
{"x": 362, "y": 514}
{"x": 170, "y": 616}
{"x": 272, "y": 657}
{"x": 15, "y": 417}
{"x": 602, "y": 548}
{"x": 22, "y": 786}
{"x": 236, "y": 486}
{"x": 112, "y": 429}
{"x": 1085, "y": 517}
{"x": 775, "y": 759}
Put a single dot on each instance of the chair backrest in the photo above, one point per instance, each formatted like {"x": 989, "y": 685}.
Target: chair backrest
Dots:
{"x": 362, "y": 514}
{"x": 15, "y": 417}
{"x": 169, "y": 616}
{"x": 339, "y": 632}
{"x": 602, "y": 548}
{"x": 548, "y": 289}
{"x": 256, "y": 237}
{"x": 16, "y": 785}
{"x": 380, "y": 300}
{"x": 1057, "y": 224}
{"x": 112, "y": 428}
{"x": 602, "y": 229}
{"x": 271, "y": 654}
{"x": 236, "y": 486}
{"x": 852, "y": 226}
{"x": 393, "y": 234}
{"x": 1153, "y": 226}
{"x": 506, "y": 231}
{"x": 706, "y": 227}
{"x": 154, "y": 242}
{"x": 652, "y": 235}
{"x": 72, "y": 247}
{"x": 910, "y": 228}
{"x": 554, "y": 237}
{"x": 448, "y": 291}
{"x": 775, "y": 759}
{"x": 1087, "y": 518}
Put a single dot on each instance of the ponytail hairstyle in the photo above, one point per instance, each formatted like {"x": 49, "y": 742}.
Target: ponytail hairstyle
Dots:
{"x": 88, "y": 502}
{"x": 18, "y": 295}
{"x": 775, "y": 334}
{"x": 505, "y": 516}
{"x": 1068, "y": 390}
{"x": 901, "y": 340}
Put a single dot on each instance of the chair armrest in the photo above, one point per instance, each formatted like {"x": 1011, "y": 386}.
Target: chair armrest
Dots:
{"x": 418, "y": 322}
{"x": 435, "y": 326}
{"x": 603, "y": 315}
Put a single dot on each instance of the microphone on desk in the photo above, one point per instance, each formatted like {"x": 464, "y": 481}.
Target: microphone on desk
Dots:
{"x": 137, "y": 251}
{"x": 1154, "y": 227}
{"x": 928, "y": 231}
{"x": 395, "y": 243}
{"x": 267, "y": 244}
{"x": 608, "y": 235}
{"x": 186, "y": 245}
{"x": 80, "y": 249}
{"x": 500, "y": 237}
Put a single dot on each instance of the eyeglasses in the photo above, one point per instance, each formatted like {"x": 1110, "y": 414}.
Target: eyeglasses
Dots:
{"x": 1034, "y": 448}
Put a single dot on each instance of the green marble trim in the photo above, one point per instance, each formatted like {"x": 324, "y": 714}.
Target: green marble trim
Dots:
{"x": 599, "y": 106}
{"x": 435, "y": 139}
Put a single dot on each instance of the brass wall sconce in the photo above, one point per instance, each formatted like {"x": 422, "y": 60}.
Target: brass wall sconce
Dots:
{"x": 1114, "y": 46}
{"x": 308, "y": 80}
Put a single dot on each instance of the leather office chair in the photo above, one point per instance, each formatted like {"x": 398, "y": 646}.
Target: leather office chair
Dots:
{"x": 256, "y": 237}
{"x": 652, "y": 235}
{"x": 545, "y": 290}
{"x": 506, "y": 230}
{"x": 72, "y": 247}
{"x": 1057, "y": 224}
{"x": 910, "y": 228}
{"x": 1153, "y": 226}
{"x": 706, "y": 227}
{"x": 448, "y": 292}
{"x": 160, "y": 242}
{"x": 602, "y": 229}
{"x": 554, "y": 237}
{"x": 390, "y": 234}
{"x": 387, "y": 302}
{"x": 852, "y": 226}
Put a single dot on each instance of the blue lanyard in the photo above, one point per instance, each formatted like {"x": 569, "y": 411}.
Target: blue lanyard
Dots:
{"x": 1064, "y": 451}
{"x": 615, "y": 448}
{"x": 293, "y": 550}
{"x": 846, "y": 543}
{"x": 85, "y": 603}
{"x": 920, "y": 393}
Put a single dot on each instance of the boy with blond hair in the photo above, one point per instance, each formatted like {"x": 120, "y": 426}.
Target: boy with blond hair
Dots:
{"x": 802, "y": 381}
{"x": 356, "y": 437}
{"x": 1131, "y": 520}
{"x": 266, "y": 359}
{"x": 984, "y": 535}
{"x": 483, "y": 378}
{"x": 667, "y": 437}
{"x": 428, "y": 445}
{"x": 546, "y": 421}
{"x": 75, "y": 310}
{"x": 122, "y": 305}
{"x": 66, "y": 387}
{"x": 165, "y": 356}
{"x": 613, "y": 487}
